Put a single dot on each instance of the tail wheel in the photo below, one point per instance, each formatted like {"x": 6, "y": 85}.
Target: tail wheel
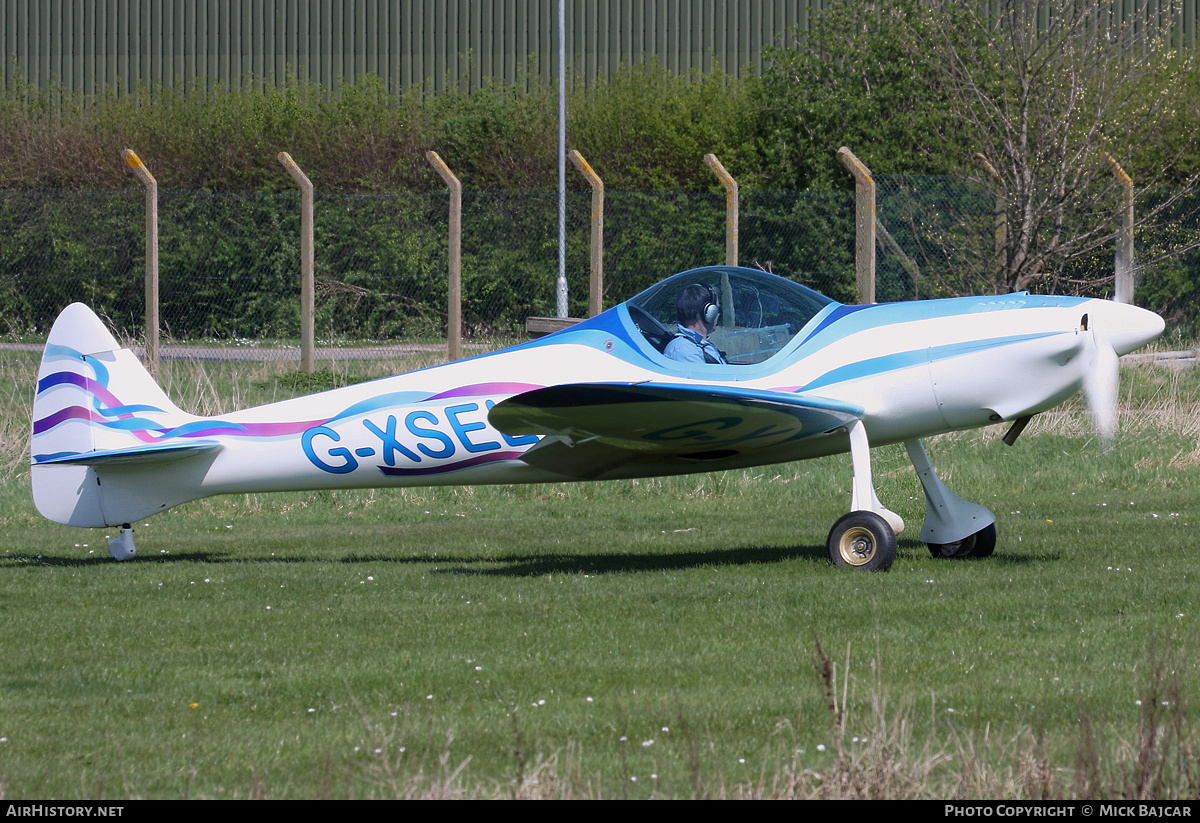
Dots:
{"x": 980, "y": 544}
{"x": 862, "y": 540}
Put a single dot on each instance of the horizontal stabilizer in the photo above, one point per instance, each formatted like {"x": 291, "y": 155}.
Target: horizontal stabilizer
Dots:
{"x": 610, "y": 423}
{"x": 136, "y": 455}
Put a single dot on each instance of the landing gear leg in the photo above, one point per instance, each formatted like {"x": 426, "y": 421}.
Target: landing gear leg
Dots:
{"x": 866, "y": 537}
{"x": 953, "y": 527}
{"x": 863, "y": 497}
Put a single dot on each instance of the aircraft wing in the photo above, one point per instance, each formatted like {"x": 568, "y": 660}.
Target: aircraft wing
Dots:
{"x": 589, "y": 428}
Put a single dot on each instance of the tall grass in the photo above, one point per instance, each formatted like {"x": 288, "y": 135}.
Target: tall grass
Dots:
{"x": 876, "y": 756}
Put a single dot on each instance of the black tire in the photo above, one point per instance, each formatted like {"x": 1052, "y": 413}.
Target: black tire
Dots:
{"x": 980, "y": 544}
{"x": 862, "y": 540}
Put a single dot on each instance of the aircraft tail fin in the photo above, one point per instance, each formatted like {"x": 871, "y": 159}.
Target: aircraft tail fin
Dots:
{"x": 94, "y": 398}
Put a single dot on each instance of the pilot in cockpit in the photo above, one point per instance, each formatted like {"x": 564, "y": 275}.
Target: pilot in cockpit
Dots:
{"x": 697, "y": 310}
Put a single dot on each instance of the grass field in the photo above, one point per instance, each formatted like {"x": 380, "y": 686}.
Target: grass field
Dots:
{"x": 684, "y": 637}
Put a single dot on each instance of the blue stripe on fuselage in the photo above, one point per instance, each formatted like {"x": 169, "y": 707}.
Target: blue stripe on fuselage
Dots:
{"x": 879, "y": 314}
{"x": 903, "y": 360}
{"x": 592, "y": 332}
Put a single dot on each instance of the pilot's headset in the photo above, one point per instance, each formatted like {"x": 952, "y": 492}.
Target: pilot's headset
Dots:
{"x": 712, "y": 309}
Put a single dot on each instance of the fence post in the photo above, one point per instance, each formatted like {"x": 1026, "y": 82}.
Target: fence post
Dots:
{"x": 150, "y": 355}
{"x": 596, "y": 257}
{"x": 731, "y": 208}
{"x": 864, "y": 224}
{"x": 454, "y": 292}
{"x": 308, "y": 296}
{"x": 1123, "y": 286}
{"x": 1000, "y": 209}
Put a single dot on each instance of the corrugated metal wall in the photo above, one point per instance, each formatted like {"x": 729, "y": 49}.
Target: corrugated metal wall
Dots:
{"x": 88, "y": 45}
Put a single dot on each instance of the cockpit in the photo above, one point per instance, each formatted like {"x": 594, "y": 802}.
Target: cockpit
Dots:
{"x": 760, "y": 312}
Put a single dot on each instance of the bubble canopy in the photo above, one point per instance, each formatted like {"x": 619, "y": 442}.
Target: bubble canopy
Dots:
{"x": 760, "y": 312}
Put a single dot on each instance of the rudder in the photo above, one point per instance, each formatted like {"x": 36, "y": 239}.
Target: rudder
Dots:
{"x": 92, "y": 396}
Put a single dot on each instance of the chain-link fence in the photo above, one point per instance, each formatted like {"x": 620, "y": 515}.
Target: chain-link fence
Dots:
{"x": 947, "y": 236}
{"x": 229, "y": 263}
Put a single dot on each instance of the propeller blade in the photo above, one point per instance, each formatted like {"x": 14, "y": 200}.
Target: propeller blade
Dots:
{"x": 1100, "y": 387}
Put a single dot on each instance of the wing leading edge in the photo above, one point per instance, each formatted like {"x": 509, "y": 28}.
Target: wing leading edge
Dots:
{"x": 589, "y": 430}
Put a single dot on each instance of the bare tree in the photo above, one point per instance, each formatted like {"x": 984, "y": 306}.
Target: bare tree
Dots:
{"x": 1044, "y": 91}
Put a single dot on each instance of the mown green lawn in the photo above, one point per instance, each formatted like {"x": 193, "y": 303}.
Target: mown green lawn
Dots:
{"x": 674, "y": 638}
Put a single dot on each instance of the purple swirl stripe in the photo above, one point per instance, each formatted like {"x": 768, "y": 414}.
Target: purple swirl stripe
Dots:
{"x": 111, "y": 413}
{"x": 394, "y": 471}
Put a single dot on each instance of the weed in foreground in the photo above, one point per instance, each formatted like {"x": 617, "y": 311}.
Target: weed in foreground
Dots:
{"x": 875, "y": 757}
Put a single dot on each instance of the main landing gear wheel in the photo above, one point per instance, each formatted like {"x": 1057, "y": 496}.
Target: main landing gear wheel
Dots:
{"x": 980, "y": 544}
{"x": 862, "y": 540}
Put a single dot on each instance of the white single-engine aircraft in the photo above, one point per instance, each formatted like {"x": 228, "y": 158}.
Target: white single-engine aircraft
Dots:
{"x": 806, "y": 376}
